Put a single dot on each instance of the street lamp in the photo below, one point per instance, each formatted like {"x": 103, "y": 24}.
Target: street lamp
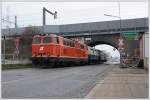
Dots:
{"x": 115, "y": 17}
{"x": 121, "y": 52}
{"x": 111, "y": 16}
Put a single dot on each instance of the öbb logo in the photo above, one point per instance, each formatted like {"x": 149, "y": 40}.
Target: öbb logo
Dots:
{"x": 41, "y": 48}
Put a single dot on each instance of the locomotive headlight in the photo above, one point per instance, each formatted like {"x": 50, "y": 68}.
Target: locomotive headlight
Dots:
{"x": 35, "y": 53}
{"x": 48, "y": 53}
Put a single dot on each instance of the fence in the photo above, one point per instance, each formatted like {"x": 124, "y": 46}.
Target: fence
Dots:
{"x": 11, "y": 59}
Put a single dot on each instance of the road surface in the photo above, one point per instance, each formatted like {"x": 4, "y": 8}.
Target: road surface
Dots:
{"x": 68, "y": 82}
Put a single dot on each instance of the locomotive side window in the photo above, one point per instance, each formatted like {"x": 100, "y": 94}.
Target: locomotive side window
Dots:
{"x": 55, "y": 40}
{"x": 58, "y": 40}
{"x": 68, "y": 42}
{"x": 64, "y": 42}
{"x": 72, "y": 43}
{"x": 47, "y": 40}
{"x": 36, "y": 40}
{"x": 86, "y": 47}
{"x": 82, "y": 46}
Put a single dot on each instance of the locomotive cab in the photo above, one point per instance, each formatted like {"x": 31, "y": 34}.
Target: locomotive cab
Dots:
{"x": 45, "y": 48}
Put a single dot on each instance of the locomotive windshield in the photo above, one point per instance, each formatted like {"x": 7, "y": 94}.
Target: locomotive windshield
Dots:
{"x": 36, "y": 40}
{"x": 47, "y": 40}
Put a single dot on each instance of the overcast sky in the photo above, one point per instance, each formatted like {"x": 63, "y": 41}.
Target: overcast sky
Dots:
{"x": 112, "y": 52}
{"x": 30, "y": 13}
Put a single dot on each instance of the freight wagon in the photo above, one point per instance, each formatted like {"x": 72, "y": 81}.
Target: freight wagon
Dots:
{"x": 93, "y": 55}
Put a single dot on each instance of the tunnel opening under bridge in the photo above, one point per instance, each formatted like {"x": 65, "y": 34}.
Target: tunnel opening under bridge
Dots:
{"x": 110, "y": 48}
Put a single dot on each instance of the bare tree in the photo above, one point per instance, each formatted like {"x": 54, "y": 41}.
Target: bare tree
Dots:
{"x": 26, "y": 41}
{"x": 30, "y": 31}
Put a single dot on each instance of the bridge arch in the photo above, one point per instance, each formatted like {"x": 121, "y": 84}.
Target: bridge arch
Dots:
{"x": 94, "y": 43}
{"x": 108, "y": 39}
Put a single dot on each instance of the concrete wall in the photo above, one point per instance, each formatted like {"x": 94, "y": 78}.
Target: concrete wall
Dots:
{"x": 130, "y": 46}
{"x": 146, "y": 51}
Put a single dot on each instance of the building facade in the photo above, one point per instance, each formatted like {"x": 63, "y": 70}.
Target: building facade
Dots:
{"x": 144, "y": 49}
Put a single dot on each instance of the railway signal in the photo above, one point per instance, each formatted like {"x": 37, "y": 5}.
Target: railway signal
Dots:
{"x": 121, "y": 43}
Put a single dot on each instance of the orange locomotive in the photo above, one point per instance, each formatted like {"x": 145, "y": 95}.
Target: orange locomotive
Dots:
{"x": 51, "y": 49}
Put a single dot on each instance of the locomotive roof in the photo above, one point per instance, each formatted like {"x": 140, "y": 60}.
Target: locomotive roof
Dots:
{"x": 57, "y": 35}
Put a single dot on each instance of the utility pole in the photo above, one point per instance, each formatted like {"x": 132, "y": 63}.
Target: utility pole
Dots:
{"x": 44, "y": 16}
{"x": 4, "y": 37}
{"x": 16, "y": 22}
{"x": 120, "y": 18}
{"x": 10, "y": 22}
{"x": 4, "y": 50}
{"x": 122, "y": 52}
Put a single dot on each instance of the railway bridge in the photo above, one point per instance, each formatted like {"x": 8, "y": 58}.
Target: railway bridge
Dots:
{"x": 108, "y": 32}
{"x": 94, "y": 33}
